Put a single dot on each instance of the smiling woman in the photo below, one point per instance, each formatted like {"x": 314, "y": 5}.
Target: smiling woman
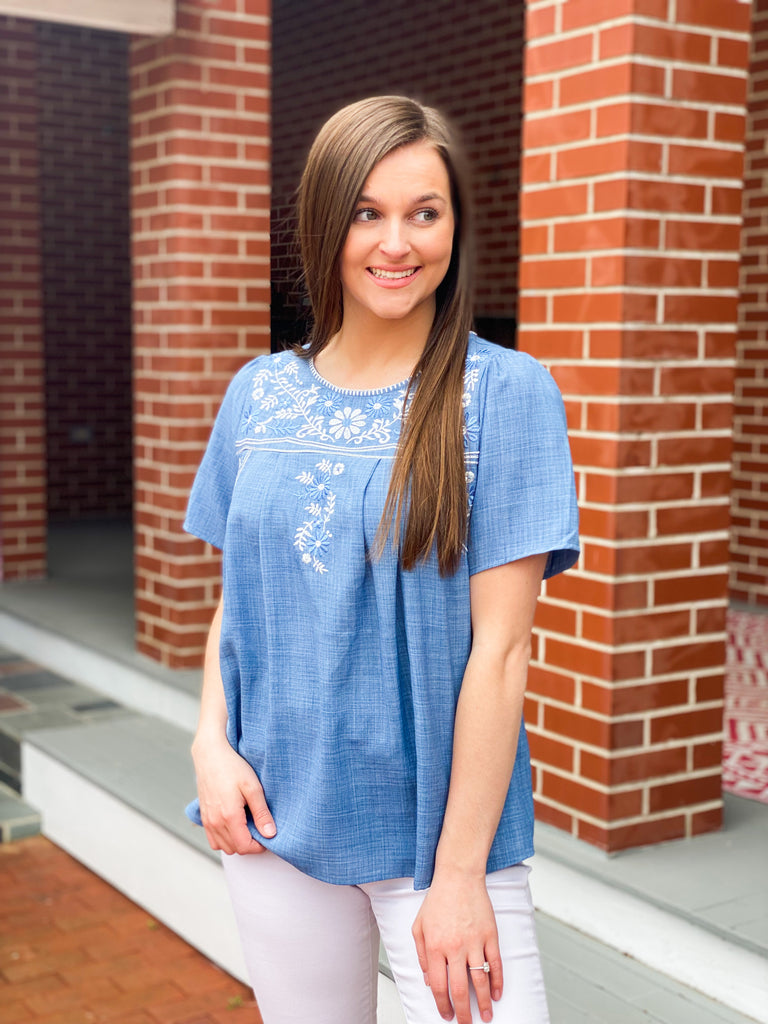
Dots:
{"x": 396, "y": 255}
{"x": 387, "y": 247}
{"x": 388, "y": 497}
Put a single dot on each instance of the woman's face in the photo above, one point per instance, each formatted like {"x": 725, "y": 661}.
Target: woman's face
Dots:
{"x": 399, "y": 244}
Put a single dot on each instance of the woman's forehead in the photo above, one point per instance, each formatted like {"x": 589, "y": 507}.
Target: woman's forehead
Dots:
{"x": 417, "y": 169}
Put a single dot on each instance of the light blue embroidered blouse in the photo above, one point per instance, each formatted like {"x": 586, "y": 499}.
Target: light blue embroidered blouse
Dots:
{"x": 341, "y": 673}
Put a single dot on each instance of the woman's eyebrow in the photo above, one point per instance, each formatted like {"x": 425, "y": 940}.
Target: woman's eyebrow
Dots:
{"x": 428, "y": 197}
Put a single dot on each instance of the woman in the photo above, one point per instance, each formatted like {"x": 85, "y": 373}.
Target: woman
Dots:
{"x": 388, "y": 499}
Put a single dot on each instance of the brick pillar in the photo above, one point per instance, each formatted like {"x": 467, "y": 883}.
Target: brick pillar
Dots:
{"x": 631, "y": 182}
{"x": 200, "y": 152}
{"x": 22, "y": 387}
{"x": 749, "y": 535}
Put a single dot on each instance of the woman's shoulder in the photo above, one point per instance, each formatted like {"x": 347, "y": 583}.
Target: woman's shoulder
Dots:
{"x": 263, "y": 367}
{"x": 501, "y": 369}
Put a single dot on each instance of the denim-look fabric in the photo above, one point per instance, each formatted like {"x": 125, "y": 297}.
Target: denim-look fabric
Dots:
{"x": 342, "y": 672}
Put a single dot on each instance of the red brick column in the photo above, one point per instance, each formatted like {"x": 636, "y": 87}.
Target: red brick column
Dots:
{"x": 22, "y": 382}
{"x": 200, "y": 166}
{"x": 631, "y": 181}
{"x": 749, "y": 536}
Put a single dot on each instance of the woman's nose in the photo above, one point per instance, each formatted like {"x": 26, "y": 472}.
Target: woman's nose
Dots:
{"x": 395, "y": 240}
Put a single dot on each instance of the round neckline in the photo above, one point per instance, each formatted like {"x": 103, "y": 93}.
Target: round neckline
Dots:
{"x": 355, "y": 391}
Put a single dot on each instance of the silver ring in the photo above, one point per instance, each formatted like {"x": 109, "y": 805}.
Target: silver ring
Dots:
{"x": 486, "y": 967}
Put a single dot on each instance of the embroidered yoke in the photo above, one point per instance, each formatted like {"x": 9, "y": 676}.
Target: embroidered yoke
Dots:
{"x": 342, "y": 672}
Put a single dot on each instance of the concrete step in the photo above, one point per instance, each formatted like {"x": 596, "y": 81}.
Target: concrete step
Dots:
{"x": 17, "y": 818}
{"x": 112, "y": 794}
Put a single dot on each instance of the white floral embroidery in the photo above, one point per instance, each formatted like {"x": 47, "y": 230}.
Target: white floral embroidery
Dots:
{"x": 284, "y": 405}
{"x": 313, "y": 537}
{"x": 471, "y": 429}
{"x": 472, "y": 374}
{"x": 346, "y": 423}
{"x": 375, "y": 406}
{"x": 289, "y": 404}
{"x": 471, "y": 377}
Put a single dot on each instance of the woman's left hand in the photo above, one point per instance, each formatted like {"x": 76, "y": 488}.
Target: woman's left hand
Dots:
{"x": 455, "y": 930}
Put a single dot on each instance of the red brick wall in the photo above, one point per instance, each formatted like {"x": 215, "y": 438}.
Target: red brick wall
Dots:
{"x": 200, "y": 206}
{"x": 83, "y": 137}
{"x": 749, "y": 537}
{"x": 22, "y": 416}
{"x": 465, "y": 60}
{"x": 631, "y": 203}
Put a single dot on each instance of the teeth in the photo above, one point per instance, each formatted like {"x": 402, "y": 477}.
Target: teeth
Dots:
{"x": 392, "y": 275}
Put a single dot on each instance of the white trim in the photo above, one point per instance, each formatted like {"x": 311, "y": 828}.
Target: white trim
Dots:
{"x": 144, "y": 17}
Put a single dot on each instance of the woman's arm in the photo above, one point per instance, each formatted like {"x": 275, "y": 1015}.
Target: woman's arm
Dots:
{"x": 456, "y": 926}
{"x": 226, "y": 783}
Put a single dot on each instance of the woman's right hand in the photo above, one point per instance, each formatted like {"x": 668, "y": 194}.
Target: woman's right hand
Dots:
{"x": 226, "y": 785}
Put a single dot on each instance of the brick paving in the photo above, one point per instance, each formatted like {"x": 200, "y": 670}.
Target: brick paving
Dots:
{"x": 73, "y": 950}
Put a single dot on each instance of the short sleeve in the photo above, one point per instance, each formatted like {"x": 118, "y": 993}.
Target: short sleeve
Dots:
{"x": 523, "y": 495}
{"x": 211, "y": 493}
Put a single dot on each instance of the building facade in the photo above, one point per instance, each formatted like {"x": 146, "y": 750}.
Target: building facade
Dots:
{"x": 619, "y": 155}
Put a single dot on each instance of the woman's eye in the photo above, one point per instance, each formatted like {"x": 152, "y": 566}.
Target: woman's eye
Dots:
{"x": 426, "y": 216}
{"x": 364, "y": 216}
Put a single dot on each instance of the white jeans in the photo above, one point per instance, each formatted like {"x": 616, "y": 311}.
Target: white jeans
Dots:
{"x": 312, "y": 948}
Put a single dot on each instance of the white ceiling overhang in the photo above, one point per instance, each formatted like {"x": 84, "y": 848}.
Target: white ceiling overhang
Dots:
{"x": 144, "y": 17}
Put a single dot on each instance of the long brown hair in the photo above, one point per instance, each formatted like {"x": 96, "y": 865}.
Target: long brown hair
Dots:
{"x": 427, "y": 489}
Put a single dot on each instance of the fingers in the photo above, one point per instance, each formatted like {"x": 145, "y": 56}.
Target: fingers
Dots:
{"x": 450, "y": 983}
{"x": 437, "y": 973}
{"x": 433, "y": 967}
{"x": 229, "y": 833}
{"x": 496, "y": 975}
{"x": 487, "y": 984}
{"x": 421, "y": 950}
{"x": 262, "y": 818}
{"x": 479, "y": 980}
{"x": 450, "y": 941}
{"x": 227, "y": 829}
{"x": 227, "y": 787}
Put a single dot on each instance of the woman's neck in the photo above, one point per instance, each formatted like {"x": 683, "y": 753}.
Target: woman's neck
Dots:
{"x": 373, "y": 354}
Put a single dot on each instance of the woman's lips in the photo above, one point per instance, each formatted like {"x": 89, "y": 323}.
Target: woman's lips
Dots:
{"x": 391, "y": 277}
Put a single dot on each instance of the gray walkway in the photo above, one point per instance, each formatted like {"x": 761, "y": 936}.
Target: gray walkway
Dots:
{"x": 590, "y": 983}
{"x": 716, "y": 882}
